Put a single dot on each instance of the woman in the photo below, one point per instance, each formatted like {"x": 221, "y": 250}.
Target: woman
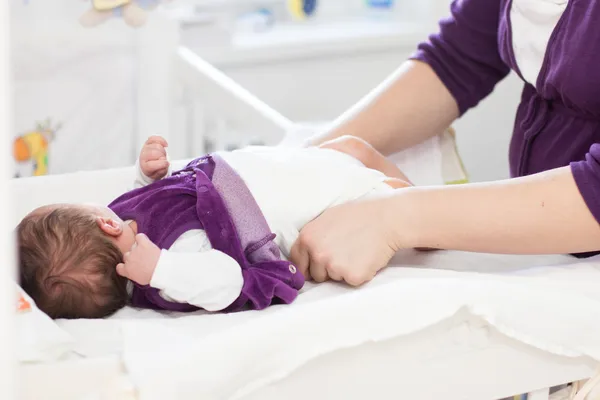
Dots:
{"x": 552, "y": 207}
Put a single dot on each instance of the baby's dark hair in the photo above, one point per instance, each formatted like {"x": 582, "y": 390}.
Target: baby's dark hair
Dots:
{"x": 68, "y": 266}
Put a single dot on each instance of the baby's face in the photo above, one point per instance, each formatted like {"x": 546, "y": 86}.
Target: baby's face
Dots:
{"x": 121, "y": 233}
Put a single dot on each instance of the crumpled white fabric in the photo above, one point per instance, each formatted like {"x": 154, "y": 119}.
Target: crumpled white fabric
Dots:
{"x": 39, "y": 338}
{"x": 556, "y": 309}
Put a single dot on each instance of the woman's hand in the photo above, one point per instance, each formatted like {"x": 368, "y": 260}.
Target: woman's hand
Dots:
{"x": 538, "y": 214}
{"x": 350, "y": 242}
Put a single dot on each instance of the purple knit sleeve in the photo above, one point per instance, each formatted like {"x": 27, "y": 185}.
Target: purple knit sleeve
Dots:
{"x": 587, "y": 177}
{"x": 464, "y": 53}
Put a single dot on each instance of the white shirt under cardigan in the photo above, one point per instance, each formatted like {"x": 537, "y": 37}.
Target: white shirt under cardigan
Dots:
{"x": 291, "y": 187}
{"x": 532, "y": 23}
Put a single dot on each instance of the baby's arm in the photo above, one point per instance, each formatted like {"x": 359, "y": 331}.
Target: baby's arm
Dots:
{"x": 210, "y": 280}
{"x": 207, "y": 279}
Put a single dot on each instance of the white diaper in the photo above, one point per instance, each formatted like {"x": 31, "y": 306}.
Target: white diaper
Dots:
{"x": 379, "y": 189}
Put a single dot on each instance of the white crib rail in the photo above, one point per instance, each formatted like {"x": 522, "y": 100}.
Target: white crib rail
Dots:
{"x": 216, "y": 97}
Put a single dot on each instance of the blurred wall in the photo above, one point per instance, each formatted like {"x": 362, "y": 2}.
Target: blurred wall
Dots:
{"x": 317, "y": 78}
{"x": 95, "y": 92}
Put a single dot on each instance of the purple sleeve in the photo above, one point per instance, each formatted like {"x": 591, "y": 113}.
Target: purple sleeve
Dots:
{"x": 464, "y": 53}
{"x": 587, "y": 177}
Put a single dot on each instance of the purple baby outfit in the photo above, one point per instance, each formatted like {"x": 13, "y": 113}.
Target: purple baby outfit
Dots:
{"x": 208, "y": 194}
{"x": 558, "y": 120}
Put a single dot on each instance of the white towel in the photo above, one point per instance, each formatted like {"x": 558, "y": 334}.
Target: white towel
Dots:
{"x": 555, "y": 309}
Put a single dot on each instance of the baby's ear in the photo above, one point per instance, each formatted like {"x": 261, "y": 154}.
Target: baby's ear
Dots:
{"x": 109, "y": 226}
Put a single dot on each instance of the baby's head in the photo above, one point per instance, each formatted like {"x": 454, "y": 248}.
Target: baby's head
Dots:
{"x": 67, "y": 260}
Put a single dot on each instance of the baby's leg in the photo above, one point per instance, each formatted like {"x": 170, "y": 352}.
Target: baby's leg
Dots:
{"x": 396, "y": 183}
{"x": 366, "y": 154}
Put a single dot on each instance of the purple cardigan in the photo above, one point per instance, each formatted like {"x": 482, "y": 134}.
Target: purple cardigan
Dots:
{"x": 558, "y": 120}
{"x": 208, "y": 194}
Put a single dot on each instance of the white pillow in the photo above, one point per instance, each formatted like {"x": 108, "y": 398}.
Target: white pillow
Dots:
{"x": 39, "y": 338}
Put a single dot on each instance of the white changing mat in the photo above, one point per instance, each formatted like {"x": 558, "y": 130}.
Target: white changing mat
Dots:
{"x": 555, "y": 309}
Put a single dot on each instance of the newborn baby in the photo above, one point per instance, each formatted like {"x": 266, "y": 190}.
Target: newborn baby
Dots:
{"x": 213, "y": 234}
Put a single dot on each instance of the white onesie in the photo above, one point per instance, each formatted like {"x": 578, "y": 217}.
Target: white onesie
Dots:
{"x": 291, "y": 186}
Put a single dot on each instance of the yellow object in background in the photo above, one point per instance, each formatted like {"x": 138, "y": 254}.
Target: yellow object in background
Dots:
{"x": 33, "y": 147}
{"x": 105, "y": 5}
{"x": 133, "y": 12}
{"x": 295, "y": 8}
{"x": 301, "y": 9}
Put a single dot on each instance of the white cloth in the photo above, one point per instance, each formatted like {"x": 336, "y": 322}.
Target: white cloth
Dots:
{"x": 533, "y": 22}
{"x": 279, "y": 179}
{"x": 39, "y": 338}
{"x": 552, "y": 309}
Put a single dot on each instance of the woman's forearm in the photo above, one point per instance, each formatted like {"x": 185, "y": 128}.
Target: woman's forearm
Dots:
{"x": 407, "y": 108}
{"x": 538, "y": 214}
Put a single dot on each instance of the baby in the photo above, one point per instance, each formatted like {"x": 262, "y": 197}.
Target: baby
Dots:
{"x": 206, "y": 235}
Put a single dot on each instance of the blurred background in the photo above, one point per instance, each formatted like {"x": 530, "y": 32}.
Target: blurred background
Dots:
{"x": 89, "y": 87}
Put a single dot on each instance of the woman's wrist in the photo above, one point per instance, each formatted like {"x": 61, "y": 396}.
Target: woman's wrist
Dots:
{"x": 403, "y": 212}
{"x": 538, "y": 214}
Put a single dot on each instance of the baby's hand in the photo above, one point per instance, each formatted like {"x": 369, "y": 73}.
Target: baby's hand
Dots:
{"x": 139, "y": 263}
{"x": 153, "y": 158}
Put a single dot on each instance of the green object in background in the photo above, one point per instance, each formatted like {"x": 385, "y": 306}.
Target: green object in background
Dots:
{"x": 459, "y": 182}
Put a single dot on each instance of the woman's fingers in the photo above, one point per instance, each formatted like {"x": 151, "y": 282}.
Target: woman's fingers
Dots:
{"x": 344, "y": 243}
{"x": 311, "y": 263}
{"x": 300, "y": 258}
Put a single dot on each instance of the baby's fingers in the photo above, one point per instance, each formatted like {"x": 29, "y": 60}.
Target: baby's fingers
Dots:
{"x": 122, "y": 270}
{"x": 157, "y": 165}
{"x": 154, "y": 151}
{"x": 157, "y": 139}
{"x": 142, "y": 239}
